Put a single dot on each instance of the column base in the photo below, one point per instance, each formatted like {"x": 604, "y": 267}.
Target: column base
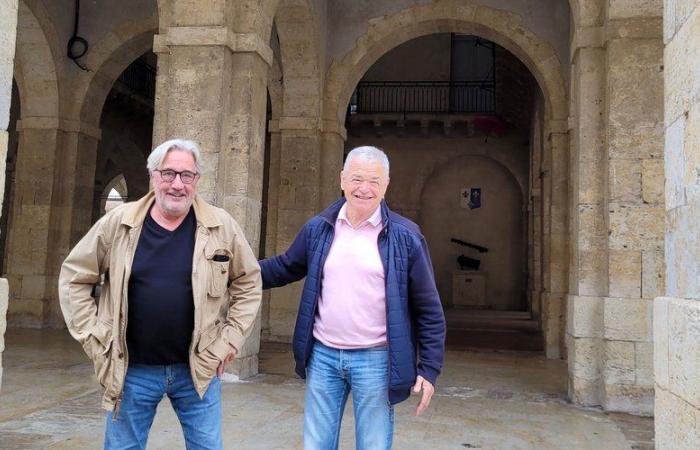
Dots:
{"x": 244, "y": 367}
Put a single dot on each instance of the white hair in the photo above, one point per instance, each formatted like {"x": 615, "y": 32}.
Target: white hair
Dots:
{"x": 155, "y": 159}
{"x": 367, "y": 153}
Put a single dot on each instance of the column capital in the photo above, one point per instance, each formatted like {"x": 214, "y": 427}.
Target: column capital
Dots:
{"x": 333, "y": 127}
{"x": 587, "y": 37}
{"x": 66, "y": 125}
{"x": 299, "y": 123}
{"x": 213, "y": 36}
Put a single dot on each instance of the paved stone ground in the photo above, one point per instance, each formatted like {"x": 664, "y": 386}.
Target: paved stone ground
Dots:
{"x": 483, "y": 401}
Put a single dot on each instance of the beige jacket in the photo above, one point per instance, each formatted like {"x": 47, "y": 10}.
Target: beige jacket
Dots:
{"x": 226, "y": 294}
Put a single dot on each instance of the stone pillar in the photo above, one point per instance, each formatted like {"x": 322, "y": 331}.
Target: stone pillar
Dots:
{"x": 557, "y": 261}
{"x": 534, "y": 220}
{"x": 8, "y": 34}
{"x": 634, "y": 134}
{"x": 211, "y": 87}
{"x": 588, "y": 276}
{"x": 617, "y": 260}
{"x": 677, "y": 315}
{"x": 273, "y": 180}
{"x": 298, "y": 200}
{"x": 53, "y": 200}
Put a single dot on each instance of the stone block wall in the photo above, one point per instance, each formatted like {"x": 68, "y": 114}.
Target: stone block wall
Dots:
{"x": 617, "y": 208}
{"x": 677, "y": 315}
{"x": 8, "y": 33}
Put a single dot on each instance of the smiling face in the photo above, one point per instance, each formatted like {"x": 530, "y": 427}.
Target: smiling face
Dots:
{"x": 364, "y": 184}
{"x": 174, "y": 199}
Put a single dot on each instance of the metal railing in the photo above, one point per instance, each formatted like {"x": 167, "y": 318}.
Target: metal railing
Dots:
{"x": 424, "y": 97}
{"x": 140, "y": 78}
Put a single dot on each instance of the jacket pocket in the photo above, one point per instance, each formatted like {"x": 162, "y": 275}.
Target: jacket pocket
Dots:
{"x": 101, "y": 342}
{"x": 211, "y": 351}
{"x": 217, "y": 272}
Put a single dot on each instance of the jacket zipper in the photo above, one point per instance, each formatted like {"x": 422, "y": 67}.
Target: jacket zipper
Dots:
{"x": 125, "y": 308}
{"x": 385, "y": 261}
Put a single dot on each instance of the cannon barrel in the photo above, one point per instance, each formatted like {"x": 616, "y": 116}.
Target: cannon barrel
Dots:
{"x": 479, "y": 248}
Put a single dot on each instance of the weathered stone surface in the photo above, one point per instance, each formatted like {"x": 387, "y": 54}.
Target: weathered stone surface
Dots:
{"x": 626, "y": 180}
{"x": 628, "y": 319}
{"x": 625, "y": 273}
{"x": 636, "y": 227}
{"x": 681, "y": 64}
{"x": 585, "y": 316}
{"x": 620, "y": 9}
{"x": 653, "y": 181}
{"x": 619, "y": 362}
{"x": 684, "y": 349}
{"x": 677, "y": 423}
{"x": 676, "y": 13}
{"x": 653, "y": 273}
{"x": 661, "y": 336}
{"x": 683, "y": 252}
{"x": 633, "y": 398}
{"x": 644, "y": 363}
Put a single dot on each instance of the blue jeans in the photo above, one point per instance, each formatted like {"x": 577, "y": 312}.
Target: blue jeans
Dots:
{"x": 331, "y": 374}
{"x": 144, "y": 388}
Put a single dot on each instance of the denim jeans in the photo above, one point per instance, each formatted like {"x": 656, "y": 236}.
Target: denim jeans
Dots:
{"x": 330, "y": 376}
{"x": 144, "y": 388}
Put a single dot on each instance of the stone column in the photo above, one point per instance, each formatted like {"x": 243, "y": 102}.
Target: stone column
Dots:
{"x": 677, "y": 315}
{"x": 53, "y": 200}
{"x": 211, "y": 88}
{"x": 617, "y": 260}
{"x": 557, "y": 261}
{"x": 588, "y": 276}
{"x": 8, "y": 34}
{"x": 534, "y": 220}
{"x": 273, "y": 180}
{"x": 299, "y": 198}
{"x": 634, "y": 134}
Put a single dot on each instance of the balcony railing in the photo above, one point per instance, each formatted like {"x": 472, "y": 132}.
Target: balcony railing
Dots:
{"x": 140, "y": 78}
{"x": 423, "y": 97}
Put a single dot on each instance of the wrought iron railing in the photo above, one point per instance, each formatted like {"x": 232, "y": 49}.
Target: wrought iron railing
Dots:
{"x": 424, "y": 97}
{"x": 140, "y": 78}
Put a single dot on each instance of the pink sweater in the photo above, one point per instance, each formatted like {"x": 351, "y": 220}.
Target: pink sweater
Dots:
{"x": 352, "y": 306}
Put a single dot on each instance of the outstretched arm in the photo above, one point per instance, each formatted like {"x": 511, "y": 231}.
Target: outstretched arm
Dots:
{"x": 288, "y": 267}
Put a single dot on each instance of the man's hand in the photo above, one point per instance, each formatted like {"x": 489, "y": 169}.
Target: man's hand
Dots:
{"x": 229, "y": 357}
{"x": 428, "y": 390}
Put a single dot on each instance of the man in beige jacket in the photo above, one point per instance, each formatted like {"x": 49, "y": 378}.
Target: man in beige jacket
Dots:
{"x": 180, "y": 288}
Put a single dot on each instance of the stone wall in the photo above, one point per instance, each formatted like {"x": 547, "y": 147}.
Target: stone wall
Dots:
{"x": 8, "y": 29}
{"x": 677, "y": 315}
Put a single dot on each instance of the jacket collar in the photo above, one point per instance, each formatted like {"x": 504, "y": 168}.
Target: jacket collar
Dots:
{"x": 136, "y": 212}
{"x": 330, "y": 214}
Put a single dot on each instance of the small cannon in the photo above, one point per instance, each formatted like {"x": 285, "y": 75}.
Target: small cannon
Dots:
{"x": 465, "y": 262}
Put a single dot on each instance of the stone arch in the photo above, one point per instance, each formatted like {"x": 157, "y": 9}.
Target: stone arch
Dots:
{"x": 275, "y": 79}
{"x": 110, "y": 57}
{"x": 34, "y": 68}
{"x": 538, "y": 55}
{"x": 501, "y": 27}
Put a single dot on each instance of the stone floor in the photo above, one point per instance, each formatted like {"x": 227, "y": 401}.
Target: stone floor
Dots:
{"x": 484, "y": 400}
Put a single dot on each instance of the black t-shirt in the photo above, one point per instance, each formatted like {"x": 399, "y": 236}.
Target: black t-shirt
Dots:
{"x": 161, "y": 307}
